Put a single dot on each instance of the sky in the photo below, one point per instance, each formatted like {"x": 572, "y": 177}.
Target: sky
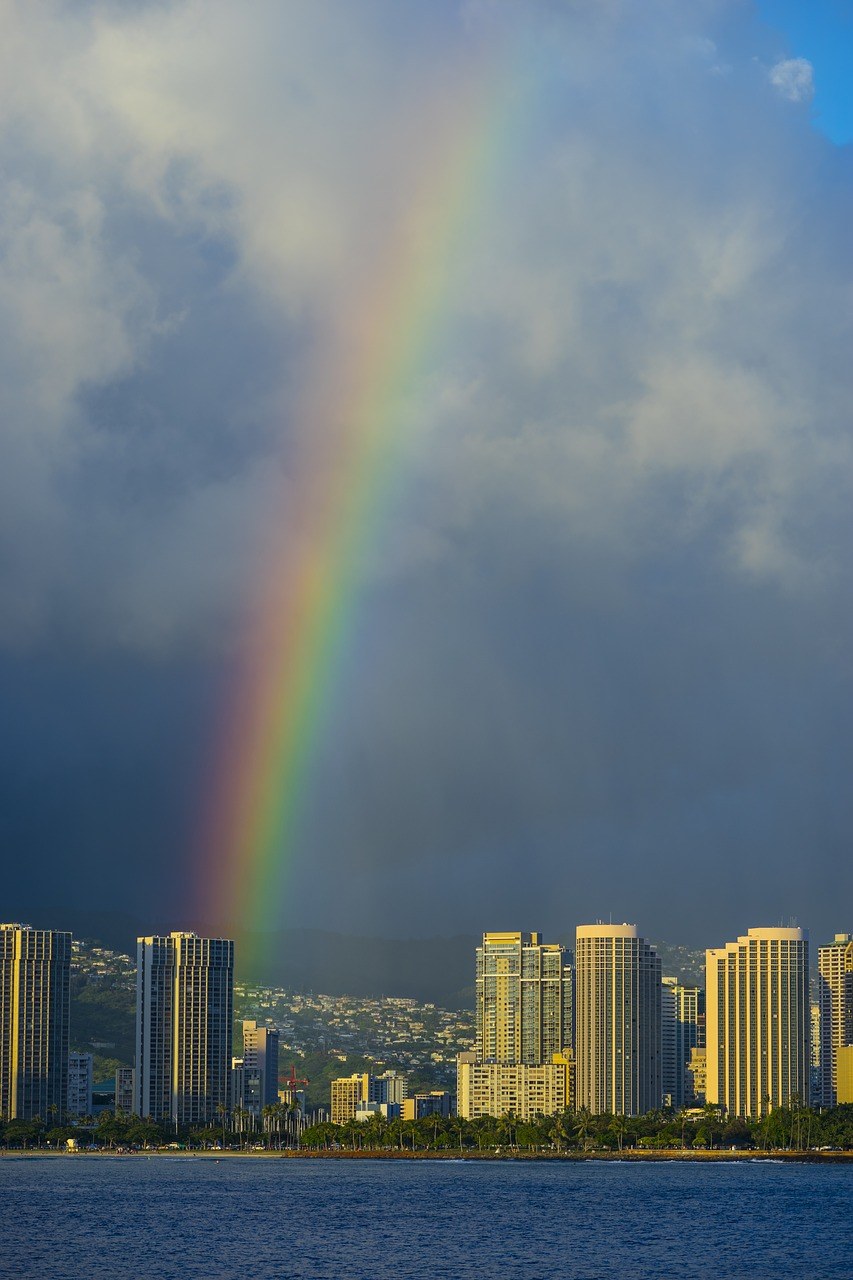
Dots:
{"x": 595, "y": 654}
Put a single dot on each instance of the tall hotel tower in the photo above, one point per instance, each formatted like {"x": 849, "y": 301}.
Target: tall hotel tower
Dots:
{"x": 758, "y": 1022}
{"x": 835, "y": 967}
{"x": 617, "y": 1021}
{"x": 184, "y": 1011}
{"x": 523, "y": 1058}
{"x": 524, "y": 999}
{"x": 35, "y": 971}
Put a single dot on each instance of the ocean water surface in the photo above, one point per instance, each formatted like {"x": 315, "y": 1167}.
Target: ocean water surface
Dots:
{"x": 114, "y": 1217}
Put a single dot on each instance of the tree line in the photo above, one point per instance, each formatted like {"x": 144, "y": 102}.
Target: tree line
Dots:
{"x": 792, "y": 1128}
{"x": 795, "y": 1128}
{"x": 277, "y": 1127}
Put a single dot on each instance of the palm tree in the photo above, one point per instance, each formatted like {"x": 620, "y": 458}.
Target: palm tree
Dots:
{"x": 459, "y": 1126}
{"x": 583, "y": 1126}
{"x": 619, "y": 1126}
{"x": 506, "y": 1129}
{"x": 558, "y": 1133}
{"x": 294, "y": 1115}
{"x": 268, "y": 1119}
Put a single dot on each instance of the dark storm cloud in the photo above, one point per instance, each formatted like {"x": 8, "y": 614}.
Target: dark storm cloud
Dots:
{"x": 600, "y": 660}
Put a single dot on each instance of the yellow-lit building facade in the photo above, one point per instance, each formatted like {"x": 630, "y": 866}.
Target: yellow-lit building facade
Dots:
{"x": 844, "y": 1074}
{"x": 523, "y": 999}
{"x": 758, "y": 1022}
{"x": 35, "y": 976}
{"x": 349, "y": 1094}
{"x": 184, "y": 1015}
{"x": 617, "y": 1021}
{"x": 518, "y": 1089}
{"x": 835, "y": 977}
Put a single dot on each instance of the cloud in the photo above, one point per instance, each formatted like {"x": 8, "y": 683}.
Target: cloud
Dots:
{"x": 185, "y": 190}
{"x": 794, "y": 78}
{"x": 609, "y": 571}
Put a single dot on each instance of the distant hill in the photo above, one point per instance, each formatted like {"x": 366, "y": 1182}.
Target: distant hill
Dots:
{"x": 436, "y": 970}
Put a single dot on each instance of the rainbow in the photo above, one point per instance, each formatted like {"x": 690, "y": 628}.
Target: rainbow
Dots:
{"x": 308, "y": 595}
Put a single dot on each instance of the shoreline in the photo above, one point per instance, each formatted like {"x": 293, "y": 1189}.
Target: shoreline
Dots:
{"x": 662, "y": 1156}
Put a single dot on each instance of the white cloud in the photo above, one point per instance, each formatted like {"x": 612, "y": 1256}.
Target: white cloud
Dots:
{"x": 196, "y": 200}
{"x": 794, "y": 78}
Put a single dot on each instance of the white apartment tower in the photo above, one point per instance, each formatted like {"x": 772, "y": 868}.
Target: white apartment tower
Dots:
{"x": 524, "y": 999}
{"x": 184, "y": 1010}
{"x": 617, "y": 1021}
{"x": 758, "y": 1022}
{"x": 35, "y": 974}
{"x": 835, "y": 970}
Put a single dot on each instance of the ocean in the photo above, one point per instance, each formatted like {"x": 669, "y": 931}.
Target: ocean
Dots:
{"x": 75, "y": 1217}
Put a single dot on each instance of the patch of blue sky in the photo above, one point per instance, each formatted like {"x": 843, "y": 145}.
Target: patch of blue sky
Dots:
{"x": 822, "y": 32}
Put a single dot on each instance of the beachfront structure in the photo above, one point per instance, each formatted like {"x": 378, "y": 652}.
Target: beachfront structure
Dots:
{"x": 758, "y": 1022}
{"x": 184, "y": 1009}
{"x": 80, "y": 1079}
{"x": 513, "y": 1088}
{"x": 617, "y": 1020}
{"x": 124, "y": 1091}
{"x": 35, "y": 974}
{"x": 835, "y": 977}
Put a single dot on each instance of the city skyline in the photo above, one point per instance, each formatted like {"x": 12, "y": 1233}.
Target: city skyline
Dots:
{"x": 600, "y": 1030}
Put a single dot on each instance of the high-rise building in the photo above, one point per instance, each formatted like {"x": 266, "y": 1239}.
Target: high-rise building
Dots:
{"x": 80, "y": 1084}
{"x": 260, "y": 1051}
{"x": 617, "y": 1020}
{"x": 184, "y": 1009}
{"x": 758, "y": 1022}
{"x": 682, "y": 1030}
{"x": 35, "y": 972}
{"x": 835, "y": 976}
{"x": 524, "y": 999}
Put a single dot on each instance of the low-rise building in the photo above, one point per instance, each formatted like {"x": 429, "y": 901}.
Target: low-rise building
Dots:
{"x": 124, "y": 1091}
{"x": 371, "y": 1095}
{"x": 437, "y": 1102}
{"x": 387, "y": 1110}
{"x": 247, "y": 1088}
{"x": 348, "y": 1094}
{"x": 696, "y": 1074}
{"x": 499, "y": 1088}
{"x": 389, "y": 1087}
{"x": 80, "y": 1084}
{"x": 844, "y": 1073}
